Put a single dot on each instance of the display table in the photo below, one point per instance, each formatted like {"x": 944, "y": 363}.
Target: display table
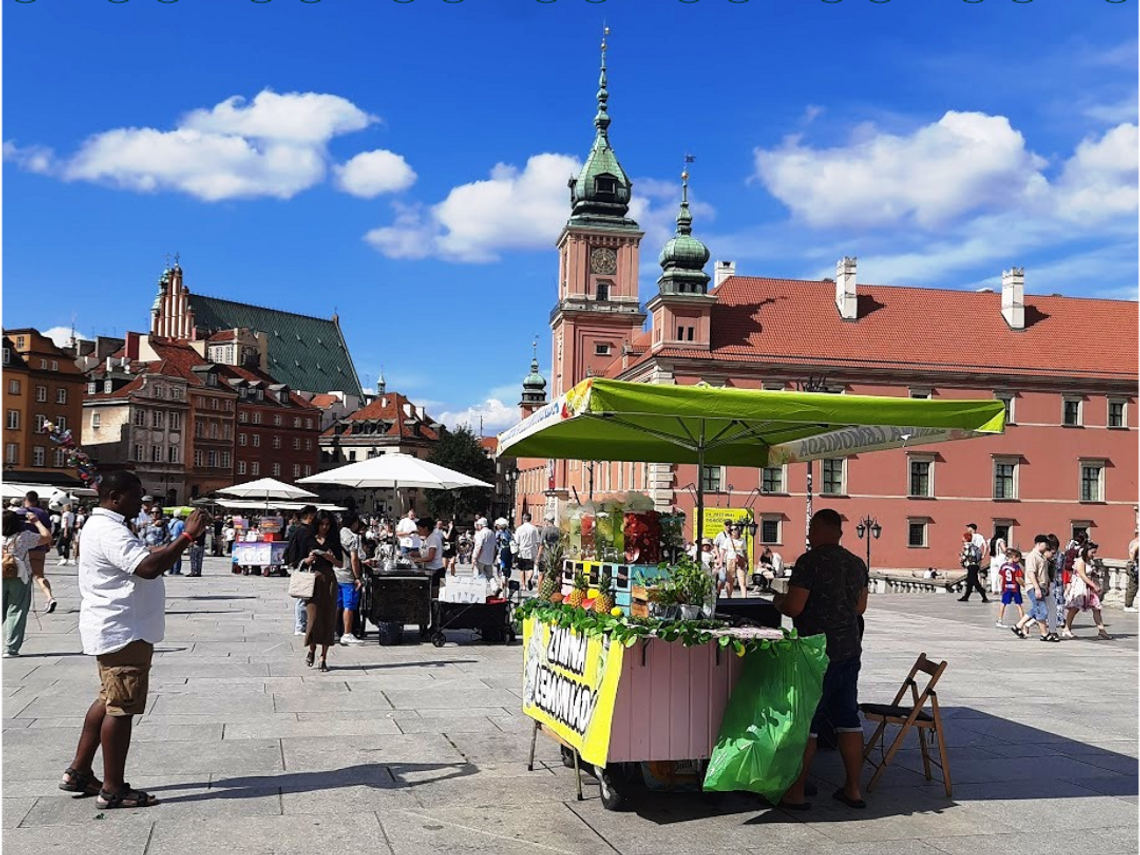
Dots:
{"x": 269, "y": 555}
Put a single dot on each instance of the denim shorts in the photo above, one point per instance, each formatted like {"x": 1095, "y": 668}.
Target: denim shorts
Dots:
{"x": 1036, "y": 609}
{"x": 1008, "y": 597}
{"x": 347, "y": 596}
{"x": 839, "y": 704}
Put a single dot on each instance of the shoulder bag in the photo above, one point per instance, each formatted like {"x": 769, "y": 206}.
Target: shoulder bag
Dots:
{"x": 302, "y": 583}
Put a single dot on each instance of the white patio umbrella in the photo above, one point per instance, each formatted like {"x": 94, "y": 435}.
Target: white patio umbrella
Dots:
{"x": 265, "y": 489}
{"x": 394, "y": 471}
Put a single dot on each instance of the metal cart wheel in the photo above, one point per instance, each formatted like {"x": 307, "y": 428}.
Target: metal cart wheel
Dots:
{"x": 438, "y": 639}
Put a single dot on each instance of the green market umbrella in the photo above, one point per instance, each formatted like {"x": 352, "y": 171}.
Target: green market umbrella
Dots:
{"x": 602, "y": 419}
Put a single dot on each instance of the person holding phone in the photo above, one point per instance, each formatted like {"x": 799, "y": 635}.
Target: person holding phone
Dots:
{"x": 324, "y": 557}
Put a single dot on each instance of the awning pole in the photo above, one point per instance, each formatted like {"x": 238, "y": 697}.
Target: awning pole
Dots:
{"x": 700, "y": 529}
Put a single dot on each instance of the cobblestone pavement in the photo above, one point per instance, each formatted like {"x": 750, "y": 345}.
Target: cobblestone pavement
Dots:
{"x": 415, "y": 749}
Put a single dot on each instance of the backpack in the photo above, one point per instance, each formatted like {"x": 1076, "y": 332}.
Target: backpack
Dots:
{"x": 11, "y": 564}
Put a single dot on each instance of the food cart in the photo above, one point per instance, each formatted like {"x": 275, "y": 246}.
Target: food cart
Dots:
{"x": 622, "y": 692}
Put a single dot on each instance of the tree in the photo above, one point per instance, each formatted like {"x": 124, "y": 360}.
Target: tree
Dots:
{"x": 460, "y": 450}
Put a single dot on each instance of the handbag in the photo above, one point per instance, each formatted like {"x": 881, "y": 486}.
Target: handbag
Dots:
{"x": 302, "y": 584}
{"x": 11, "y": 564}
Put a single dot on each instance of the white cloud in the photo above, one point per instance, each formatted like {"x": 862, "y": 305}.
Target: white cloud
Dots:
{"x": 62, "y": 335}
{"x": 273, "y": 146}
{"x": 1099, "y": 181}
{"x": 518, "y": 209}
{"x": 963, "y": 162}
{"x": 32, "y": 158}
{"x": 496, "y": 416}
{"x": 512, "y": 209}
{"x": 372, "y": 173}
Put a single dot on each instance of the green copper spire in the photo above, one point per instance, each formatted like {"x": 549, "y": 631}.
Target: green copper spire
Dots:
{"x": 683, "y": 258}
{"x": 534, "y": 384}
{"x": 600, "y": 194}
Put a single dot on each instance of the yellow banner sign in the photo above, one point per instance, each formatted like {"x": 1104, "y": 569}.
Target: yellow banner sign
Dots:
{"x": 570, "y": 685}
{"x": 715, "y": 518}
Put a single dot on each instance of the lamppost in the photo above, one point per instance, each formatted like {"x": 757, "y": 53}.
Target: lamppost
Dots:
{"x": 512, "y": 477}
{"x": 751, "y": 527}
{"x": 868, "y": 529}
{"x": 812, "y": 384}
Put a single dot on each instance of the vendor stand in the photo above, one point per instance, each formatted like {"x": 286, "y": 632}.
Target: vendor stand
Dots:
{"x": 622, "y": 713}
{"x": 395, "y": 594}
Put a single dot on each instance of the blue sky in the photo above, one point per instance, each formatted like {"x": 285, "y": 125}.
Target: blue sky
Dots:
{"x": 405, "y": 163}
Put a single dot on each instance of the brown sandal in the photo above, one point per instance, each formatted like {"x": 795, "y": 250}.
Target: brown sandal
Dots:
{"x": 125, "y": 798}
{"x": 81, "y": 783}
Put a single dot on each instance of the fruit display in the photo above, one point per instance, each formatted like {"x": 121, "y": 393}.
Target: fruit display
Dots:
{"x": 642, "y": 537}
{"x": 578, "y": 594}
{"x": 550, "y": 586}
{"x": 604, "y": 601}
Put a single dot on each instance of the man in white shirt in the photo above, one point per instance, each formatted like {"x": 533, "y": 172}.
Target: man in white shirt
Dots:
{"x": 406, "y": 532}
{"x": 483, "y": 555}
{"x": 431, "y": 551}
{"x": 121, "y": 618}
{"x": 529, "y": 540}
{"x": 975, "y": 552}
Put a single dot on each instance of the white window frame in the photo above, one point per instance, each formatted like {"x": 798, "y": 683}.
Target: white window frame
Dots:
{"x": 59, "y": 458}
{"x": 276, "y": 441}
{"x": 39, "y": 455}
{"x": 602, "y": 348}
{"x": 276, "y": 470}
{"x": 720, "y": 488}
{"x": 1090, "y": 463}
{"x": 225, "y": 460}
{"x": 199, "y": 456}
{"x": 256, "y": 440}
{"x": 61, "y": 423}
{"x": 296, "y": 470}
{"x": 1123, "y": 414}
{"x": 1010, "y": 401}
{"x": 108, "y": 386}
{"x": 920, "y": 457}
{"x": 242, "y": 440}
{"x": 921, "y": 393}
{"x": 778, "y": 520}
{"x": 172, "y": 454}
{"x": 241, "y": 467}
{"x": 41, "y": 419}
{"x": 255, "y": 468}
{"x": 13, "y": 420}
{"x": 783, "y": 481}
{"x": 138, "y": 453}
{"x": 11, "y": 451}
{"x": 1006, "y": 460}
{"x": 41, "y": 394}
{"x": 61, "y": 395}
{"x": 1080, "y": 402}
{"x": 96, "y": 421}
{"x": 842, "y": 477}
{"x": 925, "y": 523}
{"x": 1009, "y": 524}
{"x": 176, "y": 421}
{"x": 1087, "y": 525}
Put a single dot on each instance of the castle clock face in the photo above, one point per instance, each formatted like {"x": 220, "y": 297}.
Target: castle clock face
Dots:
{"x": 603, "y": 260}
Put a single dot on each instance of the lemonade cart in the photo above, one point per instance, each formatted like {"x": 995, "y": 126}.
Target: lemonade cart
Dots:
{"x": 622, "y": 693}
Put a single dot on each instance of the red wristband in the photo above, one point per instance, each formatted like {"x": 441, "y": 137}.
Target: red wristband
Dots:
{"x": 189, "y": 539}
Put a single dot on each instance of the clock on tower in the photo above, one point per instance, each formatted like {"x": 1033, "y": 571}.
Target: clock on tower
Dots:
{"x": 603, "y": 260}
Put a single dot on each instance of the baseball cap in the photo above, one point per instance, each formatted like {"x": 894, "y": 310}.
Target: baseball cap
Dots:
{"x": 148, "y": 498}
{"x": 549, "y": 517}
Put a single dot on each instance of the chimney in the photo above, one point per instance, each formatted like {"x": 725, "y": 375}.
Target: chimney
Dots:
{"x": 1013, "y": 297}
{"x": 845, "y": 289}
{"x": 724, "y": 269}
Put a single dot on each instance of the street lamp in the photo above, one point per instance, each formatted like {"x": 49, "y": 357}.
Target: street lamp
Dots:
{"x": 512, "y": 477}
{"x": 868, "y": 529}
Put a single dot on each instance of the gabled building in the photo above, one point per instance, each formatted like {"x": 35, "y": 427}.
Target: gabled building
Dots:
{"x": 306, "y": 353}
{"x": 41, "y": 384}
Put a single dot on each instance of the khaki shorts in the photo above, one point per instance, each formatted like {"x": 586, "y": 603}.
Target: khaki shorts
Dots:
{"x": 125, "y": 678}
{"x": 36, "y": 560}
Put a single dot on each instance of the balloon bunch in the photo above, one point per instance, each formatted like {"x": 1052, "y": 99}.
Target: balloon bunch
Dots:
{"x": 76, "y": 456}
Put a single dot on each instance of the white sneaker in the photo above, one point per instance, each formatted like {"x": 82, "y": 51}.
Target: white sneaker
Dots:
{"x": 298, "y": 632}
{"x": 349, "y": 638}
{"x": 1131, "y": 609}
{"x": 61, "y": 562}
{"x": 10, "y": 654}
{"x": 1002, "y": 625}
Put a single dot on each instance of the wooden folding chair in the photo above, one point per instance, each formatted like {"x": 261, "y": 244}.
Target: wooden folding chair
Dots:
{"x": 929, "y": 724}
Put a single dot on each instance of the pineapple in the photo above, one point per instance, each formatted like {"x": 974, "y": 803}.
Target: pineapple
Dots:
{"x": 578, "y": 595}
{"x": 551, "y": 585}
{"x": 604, "y": 602}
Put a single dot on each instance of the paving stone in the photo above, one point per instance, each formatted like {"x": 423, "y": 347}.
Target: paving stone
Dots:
{"x": 279, "y": 835}
{"x": 121, "y": 838}
{"x": 319, "y": 729}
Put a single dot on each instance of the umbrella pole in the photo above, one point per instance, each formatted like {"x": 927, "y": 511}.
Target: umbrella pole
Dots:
{"x": 700, "y": 492}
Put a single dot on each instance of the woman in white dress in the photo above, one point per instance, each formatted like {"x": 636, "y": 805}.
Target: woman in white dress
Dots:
{"x": 998, "y": 547}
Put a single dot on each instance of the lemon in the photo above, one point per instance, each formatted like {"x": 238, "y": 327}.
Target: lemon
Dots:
{"x": 616, "y": 611}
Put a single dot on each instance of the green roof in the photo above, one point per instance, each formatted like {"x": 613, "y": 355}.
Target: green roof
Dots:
{"x": 309, "y": 354}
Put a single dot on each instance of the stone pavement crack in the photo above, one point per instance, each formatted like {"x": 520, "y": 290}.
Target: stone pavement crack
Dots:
{"x": 435, "y": 820}
{"x": 383, "y": 830}
{"x": 586, "y": 823}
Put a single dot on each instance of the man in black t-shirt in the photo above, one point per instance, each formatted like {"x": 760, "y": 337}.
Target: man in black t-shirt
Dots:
{"x": 827, "y": 594}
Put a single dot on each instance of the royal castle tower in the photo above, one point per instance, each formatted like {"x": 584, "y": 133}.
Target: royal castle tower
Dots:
{"x": 598, "y": 308}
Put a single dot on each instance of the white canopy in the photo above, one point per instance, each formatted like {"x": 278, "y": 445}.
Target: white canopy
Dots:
{"x": 394, "y": 471}
{"x": 267, "y": 488}
{"x": 243, "y": 504}
{"x": 47, "y": 492}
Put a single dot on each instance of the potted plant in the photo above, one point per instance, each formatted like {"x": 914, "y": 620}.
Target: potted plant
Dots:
{"x": 663, "y": 601}
{"x": 692, "y": 585}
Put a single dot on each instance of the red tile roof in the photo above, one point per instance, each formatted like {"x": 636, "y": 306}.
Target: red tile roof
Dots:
{"x": 390, "y": 408}
{"x": 256, "y": 374}
{"x": 761, "y": 320}
{"x": 323, "y": 401}
{"x": 490, "y": 444}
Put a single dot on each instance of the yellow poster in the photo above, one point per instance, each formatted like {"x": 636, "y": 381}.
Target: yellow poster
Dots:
{"x": 570, "y": 685}
{"x": 714, "y": 525}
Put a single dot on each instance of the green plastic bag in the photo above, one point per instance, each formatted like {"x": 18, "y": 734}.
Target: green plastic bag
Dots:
{"x": 761, "y": 744}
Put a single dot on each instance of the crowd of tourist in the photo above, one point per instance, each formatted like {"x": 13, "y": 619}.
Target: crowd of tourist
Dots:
{"x": 1057, "y": 583}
